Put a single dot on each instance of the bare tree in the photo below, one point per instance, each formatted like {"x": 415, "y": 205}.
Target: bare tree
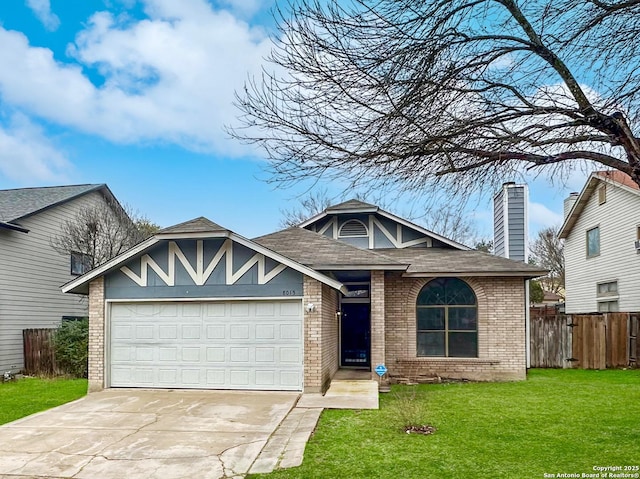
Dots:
{"x": 547, "y": 250}
{"x": 102, "y": 231}
{"x": 455, "y": 93}
{"x": 305, "y": 207}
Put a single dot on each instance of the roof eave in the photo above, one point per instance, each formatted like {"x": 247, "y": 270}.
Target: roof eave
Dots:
{"x": 479, "y": 274}
{"x": 195, "y": 235}
{"x": 99, "y": 187}
{"x": 80, "y": 284}
{"x": 368, "y": 209}
{"x": 357, "y": 267}
{"x": 13, "y": 227}
{"x": 424, "y": 231}
{"x": 288, "y": 262}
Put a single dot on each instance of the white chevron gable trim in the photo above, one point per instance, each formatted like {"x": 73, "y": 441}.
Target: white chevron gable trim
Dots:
{"x": 199, "y": 274}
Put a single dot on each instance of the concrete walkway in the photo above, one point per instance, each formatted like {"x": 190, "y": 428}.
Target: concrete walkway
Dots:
{"x": 344, "y": 394}
{"x": 149, "y": 434}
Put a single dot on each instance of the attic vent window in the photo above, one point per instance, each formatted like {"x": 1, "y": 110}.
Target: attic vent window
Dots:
{"x": 353, "y": 229}
{"x": 602, "y": 194}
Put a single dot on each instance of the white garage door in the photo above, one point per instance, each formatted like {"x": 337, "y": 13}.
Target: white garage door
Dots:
{"x": 216, "y": 345}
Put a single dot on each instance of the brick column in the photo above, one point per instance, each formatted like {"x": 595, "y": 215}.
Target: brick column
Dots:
{"x": 96, "y": 335}
{"x": 377, "y": 320}
{"x": 312, "y": 336}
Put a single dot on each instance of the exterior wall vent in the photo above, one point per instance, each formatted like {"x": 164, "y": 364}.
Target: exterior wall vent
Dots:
{"x": 353, "y": 229}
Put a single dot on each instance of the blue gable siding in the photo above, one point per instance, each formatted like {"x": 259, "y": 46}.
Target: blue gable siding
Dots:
{"x": 376, "y": 225}
{"x": 219, "y": 283}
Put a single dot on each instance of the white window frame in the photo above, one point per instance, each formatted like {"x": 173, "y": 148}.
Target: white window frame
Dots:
{"x": 597, "y": 227}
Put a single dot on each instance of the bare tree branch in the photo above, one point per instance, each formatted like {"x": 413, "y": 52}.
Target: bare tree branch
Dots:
{"x": 454, "y": 94}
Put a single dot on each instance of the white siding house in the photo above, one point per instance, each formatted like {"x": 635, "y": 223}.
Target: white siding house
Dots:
{"x": 602, "y": 259}
{"x": 31, "y": 270}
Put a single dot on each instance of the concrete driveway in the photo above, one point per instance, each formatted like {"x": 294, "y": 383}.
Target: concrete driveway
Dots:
{"x": 127, "y": 433}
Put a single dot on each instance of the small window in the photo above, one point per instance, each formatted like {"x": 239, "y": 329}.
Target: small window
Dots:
{"x": 353, "y": 229}
{"x": 638, "y": 232}
{"x": 608, "y": 289}
{"x": 593, "y": 242}
{"x": 608, "y": 307}
{"x": 80, "y": 263}
{"x": 602, "y": 194}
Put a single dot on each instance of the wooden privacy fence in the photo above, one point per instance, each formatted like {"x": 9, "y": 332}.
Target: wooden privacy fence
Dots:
{"x": 39, "y": 351}
{"x": 586, "y": 341}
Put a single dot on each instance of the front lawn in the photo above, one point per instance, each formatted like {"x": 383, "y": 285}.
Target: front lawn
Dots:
{"x": 557, "y": 422}
{"x": 30, "y": 395}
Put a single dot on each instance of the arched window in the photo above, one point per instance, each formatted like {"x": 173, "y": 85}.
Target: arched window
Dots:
{"x": 353, "y": 229}
{"x": 447, "y": 319}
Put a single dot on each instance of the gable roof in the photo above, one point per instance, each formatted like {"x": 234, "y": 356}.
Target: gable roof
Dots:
{"x": 320, "y": 252}
{"x": 352, "y": 204}
{"x": 614, "y": 177}
{"x": 196, "y": 228}
{"x": 20, "y": 203}
{"x": 357, "y": 206}
{"x": 196, "y": 225}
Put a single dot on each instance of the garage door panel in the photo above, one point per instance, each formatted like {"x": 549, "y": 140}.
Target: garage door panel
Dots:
{"x": 241, "y": 345}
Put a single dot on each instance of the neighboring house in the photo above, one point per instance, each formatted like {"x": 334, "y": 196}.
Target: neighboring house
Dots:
{"x": 31, "y": 271}
{"x": 199, "y": 306}
{"x": 550, "y": 299}
{"x": 601, "y": 250}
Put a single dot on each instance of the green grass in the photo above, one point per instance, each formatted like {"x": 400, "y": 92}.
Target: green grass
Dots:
{"x": 558, "y": 421}
{"x": 30, "y": 395}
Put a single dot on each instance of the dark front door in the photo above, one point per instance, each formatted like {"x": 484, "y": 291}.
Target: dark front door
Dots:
{"x": 354, "y": 334}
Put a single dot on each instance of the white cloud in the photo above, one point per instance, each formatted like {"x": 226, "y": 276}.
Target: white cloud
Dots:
{"x": 541, "y": 217}
{"x": 169, "y": 77}
{"x": 27, "y": 155}
{"x": 42, "y": 10}
{"x": 244, "y": 8}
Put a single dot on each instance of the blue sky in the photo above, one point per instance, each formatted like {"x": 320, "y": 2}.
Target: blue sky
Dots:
{"x": 135, "y": 94}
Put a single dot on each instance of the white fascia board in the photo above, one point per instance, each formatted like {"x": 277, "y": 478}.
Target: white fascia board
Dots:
{"x": 422, "y": 230}
{"x": 94, "y": 273}
{"x": 288, "y": 262}
{"x": 330, "y": 211}
{"x": 476, "y": 274}
{"x": 577, "y": 207}
{"x": 352, "y": 211}
{"x": 203, "y": 235}
{"x": 313, "y": 219}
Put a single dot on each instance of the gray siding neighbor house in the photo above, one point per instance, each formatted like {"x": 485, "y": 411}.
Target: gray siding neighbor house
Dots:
{"x": 354, "y": 287}
{"x": 601, "y": 233}
{"x": 31, "y": 271}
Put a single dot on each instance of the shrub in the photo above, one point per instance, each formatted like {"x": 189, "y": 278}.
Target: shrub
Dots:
{"x": 411, "y": 407}
{"x": 72, "y": 347}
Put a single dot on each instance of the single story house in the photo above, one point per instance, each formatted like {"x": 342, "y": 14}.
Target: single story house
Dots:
{"x": 199, "y": 306}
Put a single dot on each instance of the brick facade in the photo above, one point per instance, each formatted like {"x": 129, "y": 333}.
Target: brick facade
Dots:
{"x": 96, "y": 334}
{"x": 501, "y": 331}
{"x": 320, "y": 335}
{"x": 378, "y": 349}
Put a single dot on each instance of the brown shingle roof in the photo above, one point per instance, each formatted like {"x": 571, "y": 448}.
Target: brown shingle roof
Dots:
{"x": 196, "y": 225}
{"x": 441, "y": 261}
{"x": 21, "y": 202}
{"x": 320, "y": 252}
{"x": 618, "y": 177}
{"x": 351, "y": 205}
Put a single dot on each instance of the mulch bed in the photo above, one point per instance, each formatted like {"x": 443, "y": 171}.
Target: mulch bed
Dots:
{"x": 426, "y": 429}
